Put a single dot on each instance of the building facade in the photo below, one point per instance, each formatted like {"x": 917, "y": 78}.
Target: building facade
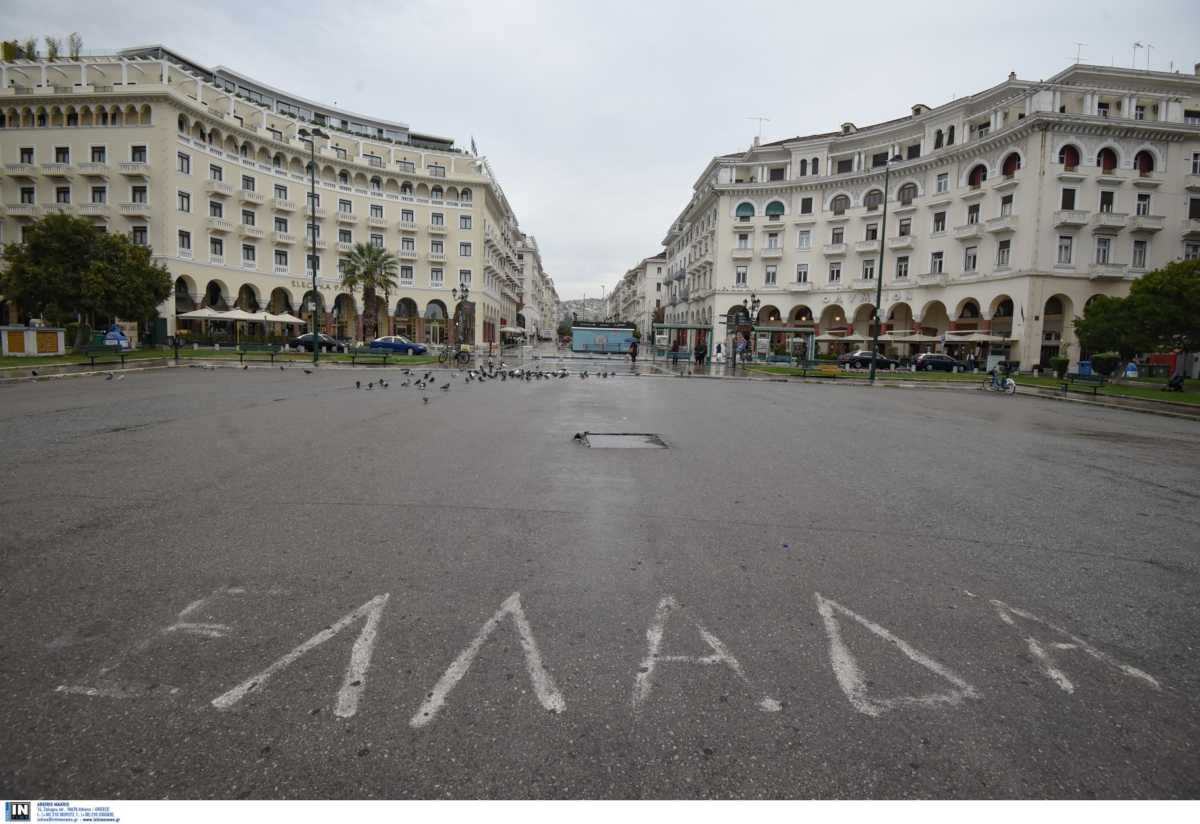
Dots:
{"x": 210, "y": 169}
{"x": 638, "y": 296}
{"x": 1007, "y": 211}
{"x": 540, "y": 303}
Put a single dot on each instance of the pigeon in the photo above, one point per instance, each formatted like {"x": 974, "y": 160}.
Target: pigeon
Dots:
{"x": 281, "y": 367}
{"x": 33, "y": 372}
{"x": 382, "y": 384}
{"x": 245, "y": 367}
{"x": 371, "y": 385}
{"x": 426, "y": 399}
{"x": 120, "y": 377}
{"x": 308, "y": 371}
{"x": 404, "y": 383}
{"x": 108, "y": 376}
{"x": 445, "y": 387}
{"x": 358, "y": 384}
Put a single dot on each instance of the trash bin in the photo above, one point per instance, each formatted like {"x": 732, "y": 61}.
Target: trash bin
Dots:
{"x": 1085, "y": 367}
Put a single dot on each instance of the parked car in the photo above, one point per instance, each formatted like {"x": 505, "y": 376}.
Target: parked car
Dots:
{"x": 399, "y": 343}
{"x": 861, "y": 359}
{"x": 931, "y": 361}
{"x": 328, "y": 344}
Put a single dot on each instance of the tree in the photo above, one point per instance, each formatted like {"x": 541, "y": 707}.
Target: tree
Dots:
{"x": 564, "y": 329}
{"x": 74, "y": 45}
{"x": 30, "y": 48}
{"x": 64, "y": 268}
{"x": 1111, "y": 325}
{"x": 372, "y": 269}
{"x": 1167, "y": 306}
{"x": 10, "y": 50}
{"x": 53, "y": 47}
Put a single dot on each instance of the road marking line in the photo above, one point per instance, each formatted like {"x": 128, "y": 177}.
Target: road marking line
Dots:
{"x": 850, "y": 678}
{"x": 1056, "y": 675}
{"x": 543, "y": 684}
{"x": 643, "y": 683}
{"x": 360, "y": 660}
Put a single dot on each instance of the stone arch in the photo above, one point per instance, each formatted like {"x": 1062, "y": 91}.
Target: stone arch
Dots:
{"x": 407, "y": 318}
{"x": 297, "y": 166}
{"x": 281, "y": 301}
{"x": 800, "y": 314}
{"x": 246, "y": 150}
{"x": 1108, "y": 159}
{"x": 215, "y": 136}
{"x": 56, "y": 117}
{"x": 360, "y": 180}
{"x": 833, "y": 316}
{"x": 899, "y": 316}
{"x": 406, "y": 189}
{"x": 933, "y": 316}
{"x": 185, "y": 289}
{"x": 279, "y": 161}
{"x": 1012, "y": 163}
{"x": 375, "y": 184}
{"x": 86, "y": 116}
{"x": 908, "y": 192}
{"x": 437, "y": 194}
{"x": 1145, "y": 161}
{"x": 768, "y": 314}
{"x": 873, "y": 199}
{"x": 745, "y": 209}
{"x": 231, "y": 145}
{"x": 977, "y": 175}
{"x": 391, "y": 187}
{"x": 1000, "y": 314}
{"x": 330, "y": 175}
{"x": 248, "y": 298}
{"x": 263, "y": 156}
{"x": 196, "y": 132}
{"x": 216, "y": 294}
{"x": 345, "y": 315}
{"x": 864, "y": 315}
{"x": 452, "y": 194}
{"x": 838, "y": 202}
{"x": 465, "y": 195}
{"x": 1069, "y": 155}
{"x": 968, "y": 309}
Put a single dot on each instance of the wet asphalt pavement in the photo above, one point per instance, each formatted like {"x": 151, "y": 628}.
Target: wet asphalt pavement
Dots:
{"x": 814, "y": 591}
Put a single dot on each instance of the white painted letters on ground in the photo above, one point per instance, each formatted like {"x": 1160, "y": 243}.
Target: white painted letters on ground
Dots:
{"x": 543, "y": 684}
{"x": 1040, "y": 652}
{"x": 644, "y": 682}
{"x": 850, "y": 677}
{"x": 356, "y": 674}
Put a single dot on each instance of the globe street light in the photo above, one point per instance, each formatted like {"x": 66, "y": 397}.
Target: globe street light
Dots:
{"x": 887, "y": 171}
{"x": 311, "y": 136}
{"x": 458, "y": 309}
{"x": 751, "y": 307}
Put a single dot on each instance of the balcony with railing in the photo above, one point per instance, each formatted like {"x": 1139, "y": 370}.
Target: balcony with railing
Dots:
{"x": 1147, "y": 223}
{"x": 1100, "y": 271}
{"x": 21, "y": 169}
{"x": 771, "y": 252}
{"x": 437, "y": 257}
{"x": 900, "y": 242}
{"x": 135, "y": 168}
{"x": 21, "y": 210}
{"x": 94, "y": 209}
{"x": 377, "y": 222}
{"x": 349, "y": 218}
{"x": 437, "y": 228}
{"x": 315, "y": 212}
{"x": 407, "y": 254}
{"x": 408, "y": 225}
{"x": 58, "y": 169}
{"x": 184, "y": 254}
{"x": 135, "y": 208}
{"x": 217, "y": 224}
{"x": 1003, "y": 223}
{"x": 218, "y": 187}
{"x": 1109, "y": 221}
{"x": 249, "y": 264}
{"x": 867, "y": 246}
{"x": 1071, "y": 217}
{"x": 283, "y": 205}
{"x": 831, "y": 249}
{"x": 283, "y": 237}
{"x": 742, "y": 253}
{"x": 1190, "y": 228}
{"x": 216, "y": 260}
{"x": 247, "y": 230}
{"x": 969, "y": 231}
{"x": 251, "y": 196}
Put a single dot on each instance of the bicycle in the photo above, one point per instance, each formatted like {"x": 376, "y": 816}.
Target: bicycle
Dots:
{"x": 1000, "y": 383}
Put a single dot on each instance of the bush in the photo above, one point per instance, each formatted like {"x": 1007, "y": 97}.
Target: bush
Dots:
{"x": 1059, "y": 365}
{"x": 1105, "y": 363}
{"x": 779, "y": 349}
{"x": 72, "y": 330}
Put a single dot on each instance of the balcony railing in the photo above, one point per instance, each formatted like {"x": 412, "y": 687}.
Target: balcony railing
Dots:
{"x": 94, "y": 169}
{"x": 1147, "y": 223}
{"x": 283, "y": 237}
{"x": 283, "y": 205}
{"x": 184, "y": 254}
{"x": 218, "y": 224}
{"x": 1111, "y": 221}
{"x": 251, "y": 196}
{"x": 218, "y": 187}
{"x": 1004, "y": 223}
{"x": 94, "y": 209}
{"x": 408, "y": 226}
{"x": 135, "y": 208}
{"x": 1107, "y": 270}
{"x": 867, "y": 246}
{"x": 900, "y": 242}
{"x": 250, "y": 231}
{"x": 1190, "y": 228}
{"x": 377, "y": 222}
{"x": 834, "y": 249}
{"x": 216, "y": 260}
{"x": 407, "y": 254}
{"x": 344, "y": 246}
{"x": 1071, "y": 217}
{"x": 135, "y": 168}
{"x": 437, "y": 256}
{"x": 771, "y": 252}
{"x": 58, "y": 169}
{"x": 969, "y": 231}
{"x": 20, "y": 169}
{"x": 21, "y": 209}
{"x": 437, "y": 228}
{"x": 249, "y": 264}
{"x": 347, "y": 217}
{"x": 742, "y": 253}
{"x": 280, "y": 269}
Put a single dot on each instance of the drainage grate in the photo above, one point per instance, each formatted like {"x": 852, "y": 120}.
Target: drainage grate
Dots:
{"x": 622, "y": 440}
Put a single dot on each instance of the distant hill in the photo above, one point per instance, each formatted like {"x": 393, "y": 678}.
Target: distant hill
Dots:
{"x": 584, "y": 308}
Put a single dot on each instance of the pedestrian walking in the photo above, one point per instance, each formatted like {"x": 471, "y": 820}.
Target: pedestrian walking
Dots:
{"x": 971, "y": 361}
{"x": 700, "y": 351}
{"x": 633, "y": 352}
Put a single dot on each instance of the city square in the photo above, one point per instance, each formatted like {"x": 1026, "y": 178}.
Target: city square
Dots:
{"x": 265, "y": 583}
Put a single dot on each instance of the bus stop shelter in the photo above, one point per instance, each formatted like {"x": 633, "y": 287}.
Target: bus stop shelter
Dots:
{"x": 685, "y": 335}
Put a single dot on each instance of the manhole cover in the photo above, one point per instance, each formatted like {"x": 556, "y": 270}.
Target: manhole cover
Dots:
{"x": 622, "y": 440}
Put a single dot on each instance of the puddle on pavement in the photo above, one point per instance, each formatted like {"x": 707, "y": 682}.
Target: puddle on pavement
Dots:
{"x": 623, "y": 440}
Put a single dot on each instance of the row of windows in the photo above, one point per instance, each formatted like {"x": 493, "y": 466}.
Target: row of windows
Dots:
{"x": 216, "y": 208}
{"x": 407, "y": 244}
{"x": 97, "y": 195}
{"x": 99, "y": 154}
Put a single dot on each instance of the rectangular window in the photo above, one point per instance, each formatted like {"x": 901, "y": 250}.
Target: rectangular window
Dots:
{"x": 281, "y": 225}
{"x": 1143, "y": 203}
{"x": 1139, "y": 112}
{"x": 406, "y": 276}
{"x": 943, "y": 182}
{"x": 868, "y": 269}
{"x": 215, "y": 172}
{"x": 1108, "y": 199}
{"x": 249, "y": 253}
{"x": 1065, "y": 245}
{"x": 1068, "y": 199}
{"x": 436, "y": 247}
{"x": 377, "y": 241}
{"x": 872, "y": 231}
{"x": 62, "y": 154}
{"x": 913, "y": 152}
{"x": 1196, "y": 163}
{"x": 739, "y": 276}
{"x": 312, "y": 231}
{"x": 376, "y": 210}
{"x": 216, "y": 247}
{"x": 281, "y": 258}
{"x": 970, "y": 257}
{"x": 345, "y": 207}
{"x": 62, "y": 194}
{"x": 183, "y": 202}
{"x": 1139, "y": 254}
{"x": 935, "y": 263}
{"x": 801, "y": 273}
{"x": 99, "y": 154}
{"x": 1194, "y": 208}
{"x": 772, "y": 240}
{"x": 972, "y": 214}
{"x": 437, "y": 219}
{"x": 406, "y": 216}
{"x": 464, "y": 276}
{"x": 99, "y": 194}
{"x": 248, "y": 217}
{"x": 879, "y": 159}
{"x": 435, "y": 278}
{"x": 138, "y": 193}
{"x": 939, "y": 222}
{"x": 1002, "y": 251}
{"x": 905, "y": 226}
{"x": 770, "y": 275}
{"x": 902, "y": 266}
{"x": 313, "y": 199}
{"x": 464, "y": 250}
{"x": 408, "y": 244}
{"x": 183, "y": 163}
{"x": 185, "y": 241}
{"x": 1191, "y": 251}
{"x": 464, "y": 221}
{"x": 838, "y": 235}
{"x": 138, "y": 235}
{"x": 247, "y": 183}
{"x": 215, "y": 209}
{"x": 27, "y": 154}
{"x": 804, "y": 239}
{"x": 314, "y": 263}
{"x": 280, "y": 192}
{"x": 28, "y": 195}
{"x": 835, "y": 271}
{"x": 1006, "y": 204}
{"x": 743, "y": 241}
{"x": 806, "y": 203}
{"x": 345, "y": 236}
{"x": 845, "y": 167}
{"x": 1103, "y": 248}
{"x": 776, "y": 174}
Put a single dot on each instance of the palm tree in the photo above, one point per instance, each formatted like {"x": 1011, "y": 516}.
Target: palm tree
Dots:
{"x": 373, "y": 269}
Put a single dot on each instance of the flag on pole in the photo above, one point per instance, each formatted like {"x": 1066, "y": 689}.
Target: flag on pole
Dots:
{"x": 474, "y": 150}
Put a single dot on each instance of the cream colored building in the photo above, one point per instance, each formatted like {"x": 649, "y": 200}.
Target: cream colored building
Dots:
{"x": 209, "y": 168}
{"x": 1007, "y": 211}
{"x": 538, "y": 313}
{"x": 639, "y": 294}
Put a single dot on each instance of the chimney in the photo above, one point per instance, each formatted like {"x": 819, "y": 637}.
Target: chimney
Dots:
{"x": 755, "y": 140}
{"x": 1012, "y": 75}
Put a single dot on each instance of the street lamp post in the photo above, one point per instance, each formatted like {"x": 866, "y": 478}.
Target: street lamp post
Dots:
{"x": 458, "y": 311}
{"x": 887, "y": 171}
{"x": 751, "y": 307}
{"x": 312, "y": 135}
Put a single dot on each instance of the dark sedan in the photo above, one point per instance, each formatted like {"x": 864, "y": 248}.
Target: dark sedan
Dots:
{"x": 861, "y": 359}
{"x": 399, "y": 343}
{"x": 328, "y": 344}
{"x": 936, "y": 361}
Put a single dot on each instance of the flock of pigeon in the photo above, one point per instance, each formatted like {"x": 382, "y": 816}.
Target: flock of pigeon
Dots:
{"x": 503, "y": 373}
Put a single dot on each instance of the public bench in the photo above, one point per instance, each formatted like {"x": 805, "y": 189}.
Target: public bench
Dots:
{"x": 378, "y": 355}
{"x": 100, "y": 350}
{"x": 818, "y": 369}
{"x": 1082, "y": 383}
{"x": 269, "y": 349}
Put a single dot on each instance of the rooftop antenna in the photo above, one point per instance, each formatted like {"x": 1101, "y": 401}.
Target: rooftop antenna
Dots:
{"x": 1149, "y": 46}
{"x": 760, "y": 120}
{"x": 1133, "y": 63}
{"x": 1078, "y": 50}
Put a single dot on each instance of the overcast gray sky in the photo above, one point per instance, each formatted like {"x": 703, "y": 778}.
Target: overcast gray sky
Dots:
{"x": 598, "y": 117}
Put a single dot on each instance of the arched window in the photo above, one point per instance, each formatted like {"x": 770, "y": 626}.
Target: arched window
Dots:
{"x": 937, "y": 139}
{"x": 277, "y": 161}
{"x": 376, "y": 184}
{"x": 1068, "y": 156}
{"x": 774, "y": 210}
{"x": 977, "y": 176}
{"x": 949, "y": 135}
{"x": 435, "y": 193}
{"x": 1106, "y": 159}
{"x": 803, "y": 168}
{"x": 816, "y": 164}
{"x": 344, "y": 178}
{"x": 840, "y": 204}
{"x": 745, "y": 211}
{"x": 465, "y": 196}
{"x": 872, "y": 200}
{"x": 907, "y": 193}
{"x": 406, "y": 189}
{"x": 1143, "y": 161}
{"x": 1011, "y": 164}
{"x": 970, "y": 310}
